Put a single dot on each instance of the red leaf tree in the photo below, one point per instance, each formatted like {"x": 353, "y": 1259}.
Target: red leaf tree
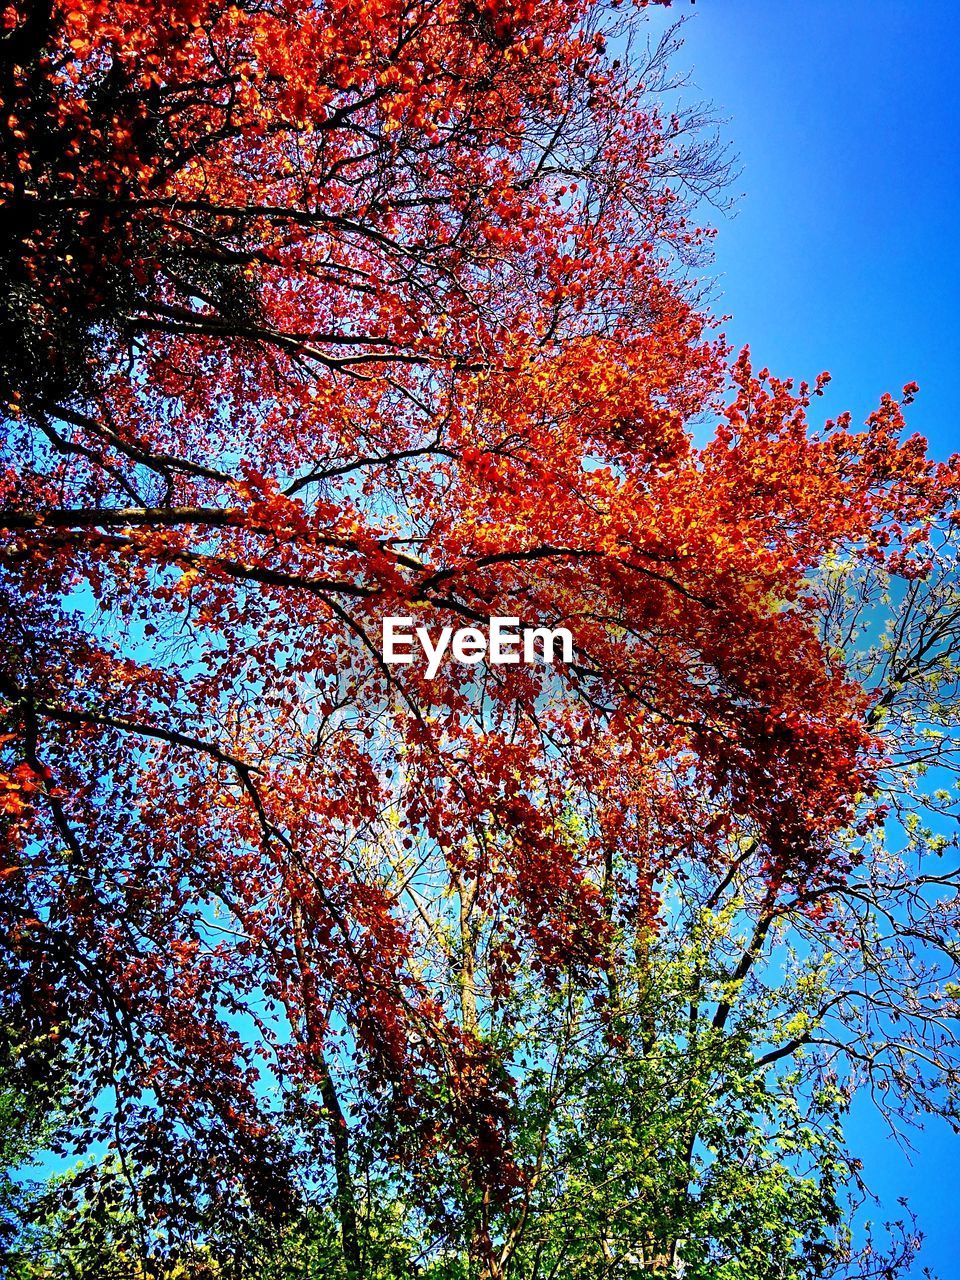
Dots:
{"x": 321, "y": 315}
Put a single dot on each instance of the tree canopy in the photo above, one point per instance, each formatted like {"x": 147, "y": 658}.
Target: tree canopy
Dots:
{"x": 320, "y": 314}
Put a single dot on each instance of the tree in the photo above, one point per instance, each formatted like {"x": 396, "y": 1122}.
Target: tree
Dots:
{"x": 694, "y": 1116}
{"x": 28, "y": 1111}
{"x": 369, "y": 310}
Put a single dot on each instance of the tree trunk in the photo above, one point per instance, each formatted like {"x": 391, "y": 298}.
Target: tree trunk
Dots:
{"x": 345, "y": 1199}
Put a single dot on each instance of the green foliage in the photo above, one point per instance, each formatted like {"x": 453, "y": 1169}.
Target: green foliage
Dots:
{"x": 32, "y": 1075}
{"x": 663, "y": 1149}
{"x": 653, "y": 1140}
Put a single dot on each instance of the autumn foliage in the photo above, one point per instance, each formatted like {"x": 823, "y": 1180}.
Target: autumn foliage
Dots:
{"x": 324, "y": 313}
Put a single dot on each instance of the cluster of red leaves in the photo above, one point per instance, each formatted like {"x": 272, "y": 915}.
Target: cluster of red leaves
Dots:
{"x": 322, "y": 314}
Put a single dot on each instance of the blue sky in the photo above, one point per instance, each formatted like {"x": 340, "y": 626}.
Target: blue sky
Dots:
{"x": 843, "y": 253}
{"x": 842, "y": 250}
